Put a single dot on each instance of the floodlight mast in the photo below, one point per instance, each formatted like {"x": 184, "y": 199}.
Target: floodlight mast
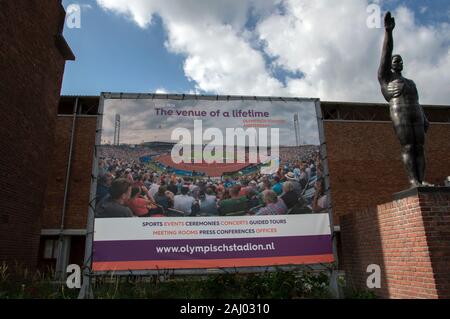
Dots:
{"x": 117, "y": 130}
{"x": 297, "y": 130}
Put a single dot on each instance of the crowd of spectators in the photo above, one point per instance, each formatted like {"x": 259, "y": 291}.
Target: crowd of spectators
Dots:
{"x": 127, "y": 187}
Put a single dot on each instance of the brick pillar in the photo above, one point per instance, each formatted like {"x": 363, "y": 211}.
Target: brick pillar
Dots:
{"x": 409, "y": 238}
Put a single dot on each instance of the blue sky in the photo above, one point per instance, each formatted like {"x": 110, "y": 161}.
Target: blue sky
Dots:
{"x": 116, "y": 51}
{"x": 428, "y": 11}
{"x": 115, "y": 55}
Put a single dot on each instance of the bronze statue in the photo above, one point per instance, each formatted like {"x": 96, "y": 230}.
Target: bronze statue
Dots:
{"x": 408, "y": 117}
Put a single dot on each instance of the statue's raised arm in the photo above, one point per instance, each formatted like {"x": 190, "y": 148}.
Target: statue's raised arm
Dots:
{"x": 408, "y": 117}
{"x": 384, "y": 72}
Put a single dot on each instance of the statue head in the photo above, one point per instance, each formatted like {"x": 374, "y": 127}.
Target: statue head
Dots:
{"x": 397, "y": 63}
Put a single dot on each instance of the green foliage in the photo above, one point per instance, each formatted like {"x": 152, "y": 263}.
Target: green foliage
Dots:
{"x": 359, "y": 294}
{"x": 18, "y": 283}
{"x": 353, "y": 293}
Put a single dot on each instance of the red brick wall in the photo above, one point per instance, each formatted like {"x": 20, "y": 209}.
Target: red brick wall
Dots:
{"x": 368, "y": 178}
{"x": 408, "y": 238}
{"x": 365, "y": 165}
{"x": 80, "y": 175}
{"x": 31, "y": 74}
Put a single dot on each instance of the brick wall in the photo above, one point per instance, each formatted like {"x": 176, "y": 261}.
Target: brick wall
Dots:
{"x": 31, "y": 74}
{"x": 80, "y": 175}
{"x": 365, "y": 165}
{"x": 364, "y": 162}
{"x": 357, "y": 181}
{"x": 408, "y": 238}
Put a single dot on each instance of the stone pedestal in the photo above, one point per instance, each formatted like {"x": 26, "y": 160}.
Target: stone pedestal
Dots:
{"x": 409, "y": 238}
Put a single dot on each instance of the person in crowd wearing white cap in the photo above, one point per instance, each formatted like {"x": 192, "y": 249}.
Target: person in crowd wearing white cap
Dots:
{"x": 297, "y": 187}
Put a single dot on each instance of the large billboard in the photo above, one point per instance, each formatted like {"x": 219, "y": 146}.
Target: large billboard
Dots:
{"x": 201, "y": 182}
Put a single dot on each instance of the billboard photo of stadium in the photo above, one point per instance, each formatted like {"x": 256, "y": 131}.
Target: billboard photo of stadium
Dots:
{"x": 201, "y": 183}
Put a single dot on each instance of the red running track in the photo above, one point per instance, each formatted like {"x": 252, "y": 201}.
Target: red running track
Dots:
{"x": 214, "y": 170}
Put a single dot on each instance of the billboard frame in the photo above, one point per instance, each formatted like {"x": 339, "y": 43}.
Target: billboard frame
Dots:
{"x": 86, "y": 290}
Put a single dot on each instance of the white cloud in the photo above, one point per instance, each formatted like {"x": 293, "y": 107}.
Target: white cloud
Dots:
{"x": 220, "y": 61}
{"x": 161, "y": 91}
{"x": 339, "y": 55}
{"x": 327, "y": 41}
{"x": 423, "y": 9}
{"x": 140, "y": 11}
{"x": 86, "y": 6}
